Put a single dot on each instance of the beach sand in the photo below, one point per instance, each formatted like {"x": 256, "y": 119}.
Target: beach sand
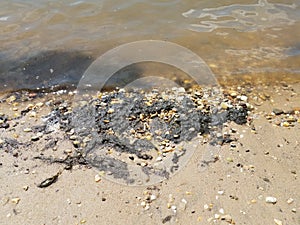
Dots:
{"x": 254, "y": 181}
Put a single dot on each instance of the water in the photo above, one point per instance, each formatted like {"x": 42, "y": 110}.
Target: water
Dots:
{"x": 43, "y": 43}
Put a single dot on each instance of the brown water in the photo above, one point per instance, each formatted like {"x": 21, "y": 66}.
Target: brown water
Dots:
{"x": 43, "y": 43}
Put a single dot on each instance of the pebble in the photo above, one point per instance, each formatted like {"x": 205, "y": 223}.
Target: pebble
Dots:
{"x": 229, "y": 159}
{"x": 277, "y": 111}
{"x": 227, "y": 218}
{"x": 278, "y": 222}
{"x": 152, "y": 197}
{"x": 68, "y": 151}
{"x": 233, "y": 94}
{"x": 97, "y": 178}
{"x": 2, "y": 141}
{"x": 290, "y": 119}
{"x": 15, "y": 200}
{"x": 174, "y": 208}
{"x": 39, "y": 104}
{"x": 73, "y": 137}
{"x": 182, "y": 204}
{"x": 221, "y": 192}
{"x": 290, "y": 201}
{"x": 158, "y": 159}
{"x": 11, "y": 99}
{"x": 110, "y": 111}
{"x": 35, "y": 138}
{"x": 224, "y": 105}
{"x": 27, "y": 130}
{"x": 242, "y": 98}
{"x": 271, "y": 199}
{"x": 32, "y": 114}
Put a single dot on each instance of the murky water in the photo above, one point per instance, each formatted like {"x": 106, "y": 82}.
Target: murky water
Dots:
{"x": 43, "y": 43}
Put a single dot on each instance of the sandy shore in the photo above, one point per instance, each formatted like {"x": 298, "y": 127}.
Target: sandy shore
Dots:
{"x": 254, "y": 181}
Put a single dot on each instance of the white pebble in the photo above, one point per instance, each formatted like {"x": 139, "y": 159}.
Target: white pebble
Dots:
{"x": 221, "y": 211}
{"x": 220, "y": 192}
{"x": 217, "y": 216}
{"x": 158, "y": 159}
{"x": 174, "y": 208}
{"x": 290, "y": 201}
{"x": 97, "y": 178}
{"x": 271, "y": 199}
{"x": 243, "y": 97}
{"x": 278, "y": 222}
{"x": 152, "y": 197}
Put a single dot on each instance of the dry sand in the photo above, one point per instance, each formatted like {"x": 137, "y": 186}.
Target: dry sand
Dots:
{"x": 265, "y": 163}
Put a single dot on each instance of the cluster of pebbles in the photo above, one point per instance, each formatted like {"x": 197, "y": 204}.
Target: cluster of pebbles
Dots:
{"x": 138, "y": 138}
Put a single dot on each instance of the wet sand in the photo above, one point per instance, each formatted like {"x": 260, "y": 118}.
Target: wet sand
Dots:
{"x": 254, "y": 181}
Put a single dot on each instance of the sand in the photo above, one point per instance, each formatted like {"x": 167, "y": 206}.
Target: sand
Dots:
{"x": 254, "y": 181}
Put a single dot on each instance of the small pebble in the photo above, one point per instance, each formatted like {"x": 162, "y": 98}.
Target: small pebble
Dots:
{"x": 27, "y": 130}
{"x": 221, "y": 192}
{"x": 290, "y": 201}
{"x": 110, "y": 111}
{"x": 97, "y": 178}
{"x": 174, "y": 208}
{"x": 271, "y": 199}
{"x": 278, "y": 222}
{"x": 227, "y": 218}
{"x": 233, "y": 94}
{"x": 229, "y": 159}
{"x": 15, "y": 200}
{"x": 32, "y": 114}
{"x": 152, "y": 197}
{"x": 35, "y": 138}
{"x": 73, "y": 137}
{"x": 158, "y": 159}
{"x": 285, "y": 124}
{"x": 224, "y": 105}
{"x": 243, "y": 98}
{"x": 277, "y": 111}
{"x": 68, "y": 151}
{"x": 40, "y": 104}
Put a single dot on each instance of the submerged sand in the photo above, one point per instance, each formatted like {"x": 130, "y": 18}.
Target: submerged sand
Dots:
{"x": 253, "y": 181}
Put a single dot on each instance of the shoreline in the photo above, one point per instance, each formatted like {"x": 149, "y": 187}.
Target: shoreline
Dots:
{"x": 254, "y": 179}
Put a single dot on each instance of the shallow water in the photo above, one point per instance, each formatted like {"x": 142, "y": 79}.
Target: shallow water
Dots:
{"x": 44, "y": 43}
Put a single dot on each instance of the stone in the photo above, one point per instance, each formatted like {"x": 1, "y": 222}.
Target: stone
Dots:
{"x": 271, "y": 200}
{"x": 278, "y": 222}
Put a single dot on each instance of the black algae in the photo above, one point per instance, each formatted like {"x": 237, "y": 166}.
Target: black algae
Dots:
{"x": 132, "y": 122}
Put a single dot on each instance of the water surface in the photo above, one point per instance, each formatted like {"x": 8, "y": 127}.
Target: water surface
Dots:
{"x": 43, "y": 43}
